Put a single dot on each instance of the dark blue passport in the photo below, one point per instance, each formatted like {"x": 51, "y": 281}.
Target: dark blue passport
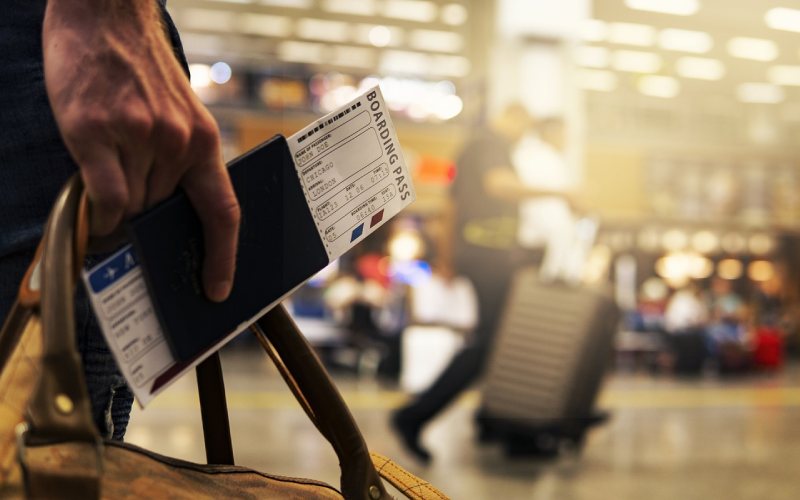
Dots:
{"x": 279, "y": 249}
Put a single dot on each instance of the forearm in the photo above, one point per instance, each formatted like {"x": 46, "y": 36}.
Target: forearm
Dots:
{"x": 119, "y": 27}
{"x": 132, "y": 123}
{"x": 88, "y": 9}
{"x": 143, "y": 14}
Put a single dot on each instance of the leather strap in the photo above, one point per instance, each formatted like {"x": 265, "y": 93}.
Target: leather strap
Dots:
{"x": 324, "y": 404}
{"x": 59, "y": 408}
{"x": 288, "y": 378}
{"x": 408, "y": 484}
{"x": 214, "y": 411}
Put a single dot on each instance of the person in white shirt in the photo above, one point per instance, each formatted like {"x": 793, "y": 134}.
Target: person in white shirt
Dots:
{"x": 548, "y": 220}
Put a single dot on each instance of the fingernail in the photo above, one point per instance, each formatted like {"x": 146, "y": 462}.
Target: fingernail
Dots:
{"x": 220, "y": 291}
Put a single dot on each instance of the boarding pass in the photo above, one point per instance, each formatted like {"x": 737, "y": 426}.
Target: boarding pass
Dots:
{"x": 354, "y": 179}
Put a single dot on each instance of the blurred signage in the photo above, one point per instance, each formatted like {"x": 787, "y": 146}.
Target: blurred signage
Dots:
{"x": 434, "y": 170}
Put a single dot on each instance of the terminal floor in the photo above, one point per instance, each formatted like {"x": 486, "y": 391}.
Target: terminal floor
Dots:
{"x": 667, "y": 439}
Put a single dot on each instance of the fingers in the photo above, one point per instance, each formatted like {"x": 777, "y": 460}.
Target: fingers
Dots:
{"x": 137, "y": 166}
{"x": 106, "y": 185}
{"x": 209, "y": 189}
{"x": 171, "y": 140}
{"x": 134, "y": 128}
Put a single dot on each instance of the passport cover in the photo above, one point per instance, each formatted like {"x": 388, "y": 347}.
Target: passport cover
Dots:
{"x": 279, "y": 248}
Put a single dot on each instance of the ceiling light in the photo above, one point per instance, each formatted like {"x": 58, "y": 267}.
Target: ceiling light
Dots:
{"x": 756, "y": 49}
{"x": 406, "y": 245}
{"x": 765, "y": 93}
{"x": 321, "y": 29}
{"x": 648, "y": 239}
{"x": 199, "y": 75}
{"x": 405, "y": 62}
{"x": 664, "y": 87}
{"x": 600, "y": 81}
{"x": 700, "y": 267}
{"x": 729, "y": 269}
{"x": 436, "y": 40}
{"x": 761, "y": 244}
{"x": 594, "y": 30}
{"x": 592, "y": 57}
{"x": 640, "y": 35}
{"x": 784, "y": 75}
{"x": 353, "y": 7}
{"x": 296, "y": 4}
{"x": 380, "y": 36}
{"x": 304, "y": 52}
{"x": 700, "y": 68}
{"x": 678, "y": 268}
{"x": 220, "y": 73}
{"x": 674, "y": 240}
{"x": 783, "y": 18}
{"x": 696, "y": 42}
{"x": 376, "y": 35}
{"x": 448, "y": 107}
{"x": 761, "y": 270}
{"x": 450, "y": 66}
{"x": 636, "y": 61}
{"x": 454, "y": 14}
{"x": 265, "y": 25}
{"x": 705, "y": 242}
{"x": 209, "y": 45}
{"x": 675, "y": 7}
{"x": 410, "y": 10}
{"x": 356, "y": 57}
{"x": 207, "y": 19}
{"x": 733, "y": 243}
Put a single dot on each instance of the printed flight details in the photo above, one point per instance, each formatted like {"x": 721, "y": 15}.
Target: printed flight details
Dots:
{"x": 352, "y": 171}
{"x": 125, "y": 313}
{"x": 354, "y": 178}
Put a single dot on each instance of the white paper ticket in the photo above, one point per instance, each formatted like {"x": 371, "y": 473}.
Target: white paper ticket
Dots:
{"x": 354, "y": 178}
{"x": 352, "y": 171}
{"x": 125, "y": 312}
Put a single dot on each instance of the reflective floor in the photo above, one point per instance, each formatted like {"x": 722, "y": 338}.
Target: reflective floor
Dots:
{"x": 667, "y": 439}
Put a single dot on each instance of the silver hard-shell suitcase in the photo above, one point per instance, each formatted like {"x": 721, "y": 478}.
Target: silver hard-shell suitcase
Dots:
{"x": 545, "y": 371}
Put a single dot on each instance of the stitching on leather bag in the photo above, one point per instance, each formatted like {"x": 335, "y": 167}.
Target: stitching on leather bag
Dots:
{"x": 406, "y": 476}
{"x": 215, "y": 469}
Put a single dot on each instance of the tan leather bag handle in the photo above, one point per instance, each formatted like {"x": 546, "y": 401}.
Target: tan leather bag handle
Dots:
{"x": 60, "y": 410}
{"x": 322, "y": 402}
{"x": 60, "y": 407}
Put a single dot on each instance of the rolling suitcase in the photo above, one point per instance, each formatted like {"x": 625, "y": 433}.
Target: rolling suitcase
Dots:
{"x": 551, "y": 351}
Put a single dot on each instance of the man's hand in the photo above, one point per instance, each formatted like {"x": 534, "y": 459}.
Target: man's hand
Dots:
{"x": 130, "y": 120}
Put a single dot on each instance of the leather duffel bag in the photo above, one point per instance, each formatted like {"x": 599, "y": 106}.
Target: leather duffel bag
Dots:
{"x": 49, "y": 447}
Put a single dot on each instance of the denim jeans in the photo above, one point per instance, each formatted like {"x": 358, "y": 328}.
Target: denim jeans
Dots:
{"x": 34, "y": 164}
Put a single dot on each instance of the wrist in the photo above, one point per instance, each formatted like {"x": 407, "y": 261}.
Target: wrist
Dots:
{"x": 84, "y": 12}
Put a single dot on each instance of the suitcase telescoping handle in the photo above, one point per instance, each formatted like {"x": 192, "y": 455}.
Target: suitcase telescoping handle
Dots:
{"x": 60, "y": 410}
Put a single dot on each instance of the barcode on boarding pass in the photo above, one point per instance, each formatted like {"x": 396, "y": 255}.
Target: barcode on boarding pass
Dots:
{"x": 329, "y": 121}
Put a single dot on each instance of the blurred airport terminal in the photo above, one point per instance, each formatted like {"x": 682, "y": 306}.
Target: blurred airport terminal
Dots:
{"x": 661, "y": 161}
